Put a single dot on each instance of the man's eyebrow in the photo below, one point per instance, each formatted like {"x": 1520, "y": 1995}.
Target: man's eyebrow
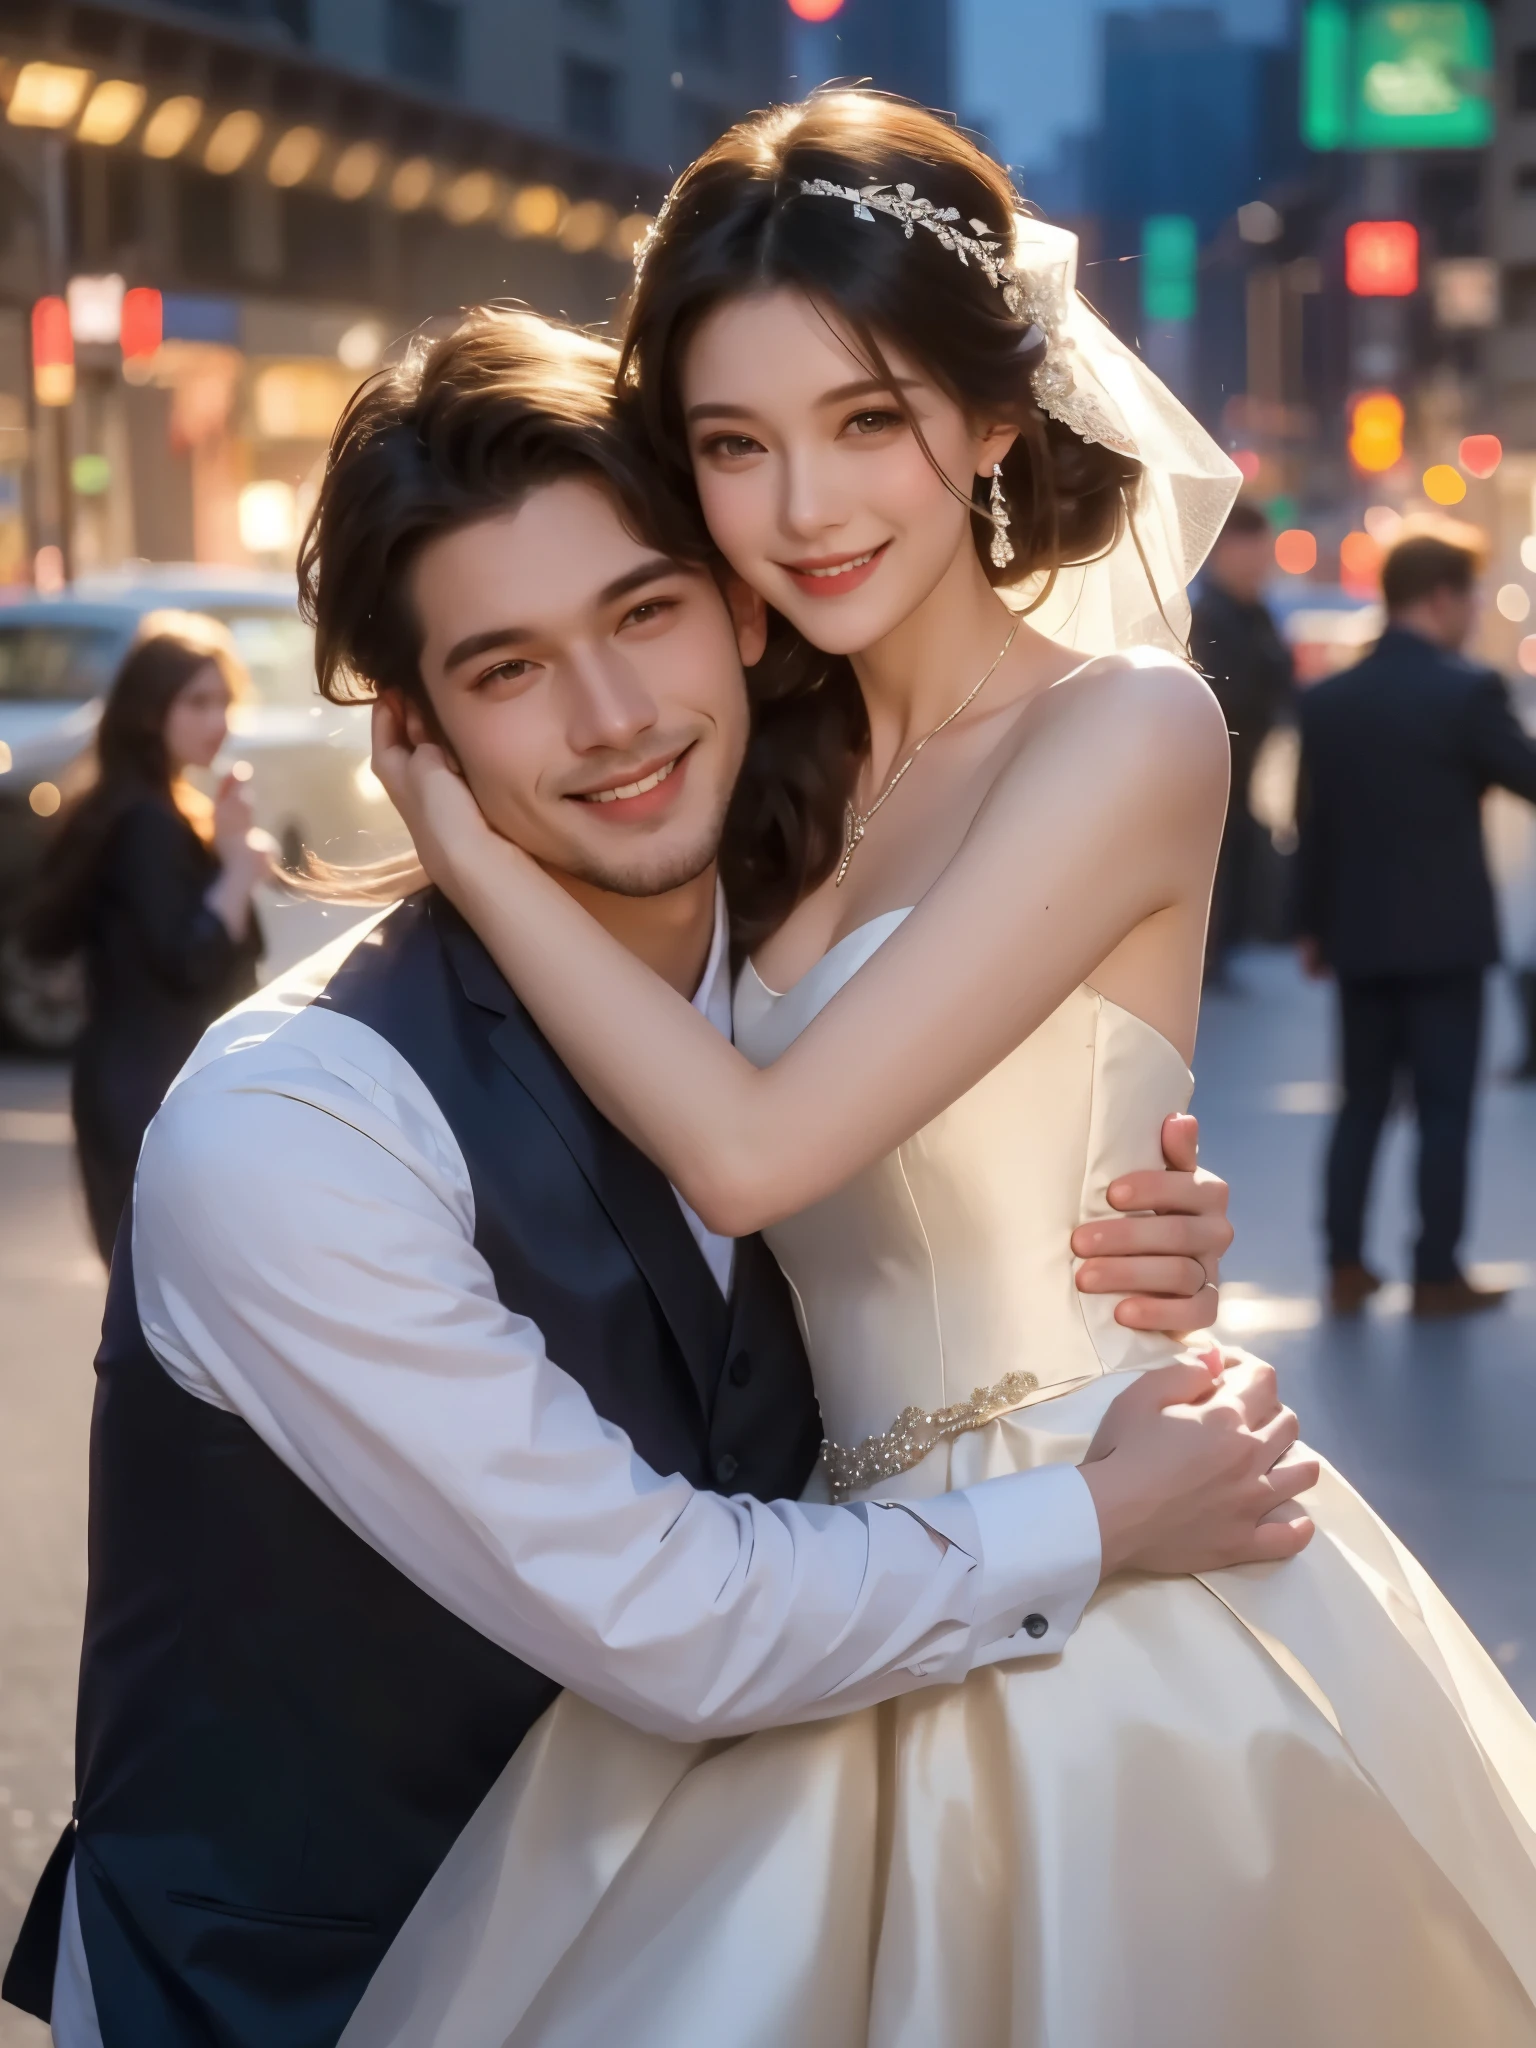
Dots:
{"x": 861, "y": 387}
{"x": 648, "y": 571}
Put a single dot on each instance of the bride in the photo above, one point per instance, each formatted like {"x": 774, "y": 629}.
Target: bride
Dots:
{"x": 972, "y": 856}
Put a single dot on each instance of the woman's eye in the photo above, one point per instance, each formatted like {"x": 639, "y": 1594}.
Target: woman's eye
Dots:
{"x": 877, "y": 422}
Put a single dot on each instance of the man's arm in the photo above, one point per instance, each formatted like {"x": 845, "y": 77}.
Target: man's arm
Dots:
{"x": 1502, "y": 751}
{"x": 304, "y": 1257}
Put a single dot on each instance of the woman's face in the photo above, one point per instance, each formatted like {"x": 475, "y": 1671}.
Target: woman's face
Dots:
{"x": 815, "y": 487}
{"x": 197, "y": 723}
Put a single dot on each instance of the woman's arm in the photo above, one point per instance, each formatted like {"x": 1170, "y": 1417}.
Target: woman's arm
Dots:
{"x": 160, "y": 877}
{"x": 1110, "y": 812}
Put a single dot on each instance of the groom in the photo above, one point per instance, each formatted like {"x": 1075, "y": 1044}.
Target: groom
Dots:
{"x": 420, "y": 1395}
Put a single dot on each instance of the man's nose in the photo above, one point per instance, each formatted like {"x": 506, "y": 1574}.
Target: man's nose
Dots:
{"x": 607, "y": 704}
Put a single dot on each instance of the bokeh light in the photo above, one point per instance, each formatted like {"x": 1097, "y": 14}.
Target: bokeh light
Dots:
{"x": 1248, "y": 462}
{"x": 815, "y": 10}
{"x": 1444, "y": 485}
{"x": 1525, "y": 654}
{"x": 1296, "y": 551}
{"x": 1382, "y": 524}
{"x": 1376, "y": 432}
{"x": 1512, "y": 603}
{"x": 1359, "y": 563}
{"x": 1480, "y": 454}
{"x": 1528, "y": 553}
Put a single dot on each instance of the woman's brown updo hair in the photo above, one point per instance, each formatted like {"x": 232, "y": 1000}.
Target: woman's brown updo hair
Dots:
{"x": 737, "y": 223}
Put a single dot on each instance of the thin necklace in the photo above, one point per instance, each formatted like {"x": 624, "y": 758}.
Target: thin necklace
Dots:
{"x": 855, "y": 823}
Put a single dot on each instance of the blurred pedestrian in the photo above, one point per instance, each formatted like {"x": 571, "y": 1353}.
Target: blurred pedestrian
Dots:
{"x": 1395, "y": 899}
{"x": 1234, "y": 641}
{"x": 152, "y": 883}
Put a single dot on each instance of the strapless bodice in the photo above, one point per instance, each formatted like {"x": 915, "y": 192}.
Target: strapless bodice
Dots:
{"x": 947, "y": 1267}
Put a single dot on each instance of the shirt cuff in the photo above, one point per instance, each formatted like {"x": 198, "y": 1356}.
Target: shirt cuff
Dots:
{"x": 1039, "y": 1565}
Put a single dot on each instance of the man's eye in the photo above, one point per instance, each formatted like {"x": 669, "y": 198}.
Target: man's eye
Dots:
{"x": 877, "y": 422}
{"x": 504, "y": 672}
{"x": 644, "y": 614}
{"x": 732, "y": 446}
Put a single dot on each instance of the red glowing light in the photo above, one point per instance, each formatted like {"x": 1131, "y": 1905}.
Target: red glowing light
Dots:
{"x": 1248, "y": 463}
{"x": 143, "y": 323}
{"x": 53, "y": 345}
{"x": 1480, "y": 454}
{"x": 1359, "y": 564}
{"x": 1296, "y": 551}
{"x": 1381, "y": 259}
{"x": 815, "y": 10}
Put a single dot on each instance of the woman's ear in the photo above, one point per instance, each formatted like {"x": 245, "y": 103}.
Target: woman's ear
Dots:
{"x": 995, "y": 443}
{"x": 749, "y": 616}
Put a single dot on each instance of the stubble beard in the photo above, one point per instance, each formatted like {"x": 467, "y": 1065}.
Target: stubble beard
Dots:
{"x": 653, "y": 873}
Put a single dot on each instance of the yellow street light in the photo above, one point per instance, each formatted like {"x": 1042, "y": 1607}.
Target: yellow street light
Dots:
{"x": 294, "y": 156}
{"x": 172, "y": 125}
{"x": 587, "y": 226}
{"x": 411, "y": 186}
{"x": 537, "y": 210}
{"x": 628, "y": 235}
{"x": 231, "y": 143}
{"x": 47, "y": 95}
{"x": 469, "y": 198}
{"x": 111, "y": 111}
{"x": 356, "y": 170}
{"x": 1444, "y": 485}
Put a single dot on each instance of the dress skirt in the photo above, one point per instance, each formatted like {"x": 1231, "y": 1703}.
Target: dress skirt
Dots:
{"x": 1281, "y": 1806}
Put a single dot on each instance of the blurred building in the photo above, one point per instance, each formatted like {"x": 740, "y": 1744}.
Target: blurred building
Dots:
{"x": 282, "y": 188}
{"x": 902, "y": 46}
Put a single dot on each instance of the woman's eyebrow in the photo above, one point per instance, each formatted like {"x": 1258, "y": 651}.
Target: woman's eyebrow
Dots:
{"x": 861, "y": 387}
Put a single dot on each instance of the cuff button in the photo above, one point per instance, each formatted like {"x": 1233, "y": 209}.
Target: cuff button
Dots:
{"x": 1035, "y": 1625}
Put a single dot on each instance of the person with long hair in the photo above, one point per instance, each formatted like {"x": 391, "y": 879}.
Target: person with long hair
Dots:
{"x": 1284, "y": 1802}
{"x": 152, "y": 882}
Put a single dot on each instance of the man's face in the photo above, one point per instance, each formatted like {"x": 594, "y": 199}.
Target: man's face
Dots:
{"x": 591, "y": 690}
{"x": 1242, "y": 562}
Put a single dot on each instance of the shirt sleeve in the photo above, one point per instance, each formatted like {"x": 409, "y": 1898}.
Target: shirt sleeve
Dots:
{"x": 303, "y": 1253}
{"x": 1503, "y": 752}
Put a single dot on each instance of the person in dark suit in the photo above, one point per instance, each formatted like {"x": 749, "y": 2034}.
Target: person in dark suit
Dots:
{"x": 1395, "y": 899}
{"x": 1234, "y": 643}
{"x": 153, "y": 884}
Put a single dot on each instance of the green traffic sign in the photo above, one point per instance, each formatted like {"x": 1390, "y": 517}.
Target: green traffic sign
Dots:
{"x": 1396, "y": 74}
{"x": 1170, "y": 249}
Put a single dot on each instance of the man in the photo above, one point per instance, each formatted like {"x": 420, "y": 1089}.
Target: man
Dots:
{"x": 1234, "y": 643}
{"x": 1395, "y": 898}
{"x": 416, "y": 1377}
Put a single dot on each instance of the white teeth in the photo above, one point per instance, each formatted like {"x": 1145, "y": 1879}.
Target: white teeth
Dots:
{"x": 843, "y": 568}
{"x": 611, "y": 796}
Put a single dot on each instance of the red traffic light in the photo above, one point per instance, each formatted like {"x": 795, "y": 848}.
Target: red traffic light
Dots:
{"x": 143, "y": 322}
{"x": 1381, "y": 259}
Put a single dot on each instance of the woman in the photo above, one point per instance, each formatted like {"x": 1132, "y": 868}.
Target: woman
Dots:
{"x": 154, "y": 884}
{"x": 1290, "y": 1802}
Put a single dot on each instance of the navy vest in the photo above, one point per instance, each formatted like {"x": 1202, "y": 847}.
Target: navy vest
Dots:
{"x": 279, "y": 1734}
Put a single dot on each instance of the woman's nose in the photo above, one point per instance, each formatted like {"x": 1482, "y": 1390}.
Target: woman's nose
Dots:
{"x": 810, "y": 503}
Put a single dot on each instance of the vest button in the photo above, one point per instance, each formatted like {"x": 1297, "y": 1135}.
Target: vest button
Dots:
{"x": 739, "y": 1371}
{"x": 1035, "y": 1625}
{"x": 726, "y": 1468}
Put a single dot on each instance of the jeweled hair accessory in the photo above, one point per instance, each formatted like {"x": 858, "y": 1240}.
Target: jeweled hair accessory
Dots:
{"x": 1054, "y": 381}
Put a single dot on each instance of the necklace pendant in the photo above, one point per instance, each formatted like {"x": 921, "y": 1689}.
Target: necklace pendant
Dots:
{"x": 853, "y": 832}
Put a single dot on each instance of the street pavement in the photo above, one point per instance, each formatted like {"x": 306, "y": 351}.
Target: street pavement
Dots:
{"x": 1435, "y": 1423}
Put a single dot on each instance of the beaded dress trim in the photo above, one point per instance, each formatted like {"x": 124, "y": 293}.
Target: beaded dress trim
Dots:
{"x": 851, "y": 1468}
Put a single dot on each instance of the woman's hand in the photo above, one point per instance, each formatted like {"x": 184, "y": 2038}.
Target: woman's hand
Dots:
{"x": 245, "y": 855}
{"x": 455, "y": 844}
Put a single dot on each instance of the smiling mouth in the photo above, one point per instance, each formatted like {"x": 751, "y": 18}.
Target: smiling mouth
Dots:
{"x": 623, "y": 792}
{"x": 831, "y": 575}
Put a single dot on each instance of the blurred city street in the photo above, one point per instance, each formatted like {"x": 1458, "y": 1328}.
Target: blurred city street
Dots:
{"x": 1432, "y": 1422}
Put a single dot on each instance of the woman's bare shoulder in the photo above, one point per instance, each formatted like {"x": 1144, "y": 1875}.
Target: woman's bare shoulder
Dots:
{"x": 1138, "y": 708}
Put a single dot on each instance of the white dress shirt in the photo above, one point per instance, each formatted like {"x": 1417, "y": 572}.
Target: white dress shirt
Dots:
{"x": 304, "y": 1257}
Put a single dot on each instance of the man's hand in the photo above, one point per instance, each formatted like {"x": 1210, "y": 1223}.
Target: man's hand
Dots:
{"x": 1193, "y": 1468}
{"x": 1166, "y": 1263}
{"x": 1313, "y": 965}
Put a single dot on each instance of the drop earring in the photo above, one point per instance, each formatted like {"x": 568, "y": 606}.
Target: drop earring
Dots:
{"x": 1002, "y": 546}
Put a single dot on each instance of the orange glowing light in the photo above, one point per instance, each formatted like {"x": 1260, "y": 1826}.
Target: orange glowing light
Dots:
{"x": 53, "y": 353}
{"x": 143, "y": 322}
{"x": 1381, "y": 259}
{"x": 1480, "y": 454}
{"x": 1376, "y": 432}
{"x": 1296, "y": 551}
{"x": 1359, "y": 563}
{"x": 1444, "y": 485}
{"x": 815, "y": 10}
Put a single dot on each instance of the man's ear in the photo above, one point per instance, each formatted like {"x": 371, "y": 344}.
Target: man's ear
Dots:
{"x": 749, "y": 616}
{"x": 420, "y": 722}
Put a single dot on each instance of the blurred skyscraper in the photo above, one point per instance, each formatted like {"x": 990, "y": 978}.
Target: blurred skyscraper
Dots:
{"x": 904, "y": 46}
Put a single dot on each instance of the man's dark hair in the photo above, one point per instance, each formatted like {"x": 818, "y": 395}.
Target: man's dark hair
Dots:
{"x": 1244, "y": 521}
{"x": 1419, "y": 566}
{"x": 464, "y": 427}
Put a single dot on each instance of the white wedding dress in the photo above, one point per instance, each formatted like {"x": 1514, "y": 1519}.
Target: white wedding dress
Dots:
{"x": 1285, "y": 1806}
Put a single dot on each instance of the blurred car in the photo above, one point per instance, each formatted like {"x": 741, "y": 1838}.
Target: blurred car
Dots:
{"x": 309, "y": 780}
